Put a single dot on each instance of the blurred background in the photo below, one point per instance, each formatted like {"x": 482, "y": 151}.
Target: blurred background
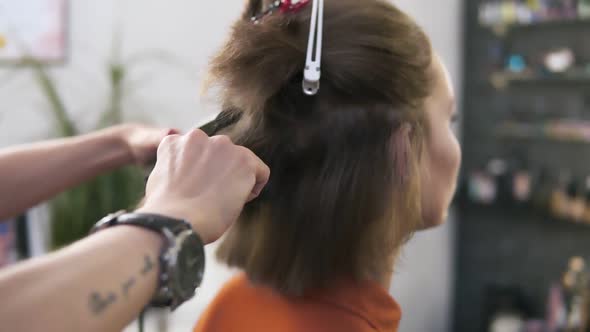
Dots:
{"x": 512, "y": 256}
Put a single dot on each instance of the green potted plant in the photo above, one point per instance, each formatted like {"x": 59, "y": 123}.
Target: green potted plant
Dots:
{"x": 74, "y": 212}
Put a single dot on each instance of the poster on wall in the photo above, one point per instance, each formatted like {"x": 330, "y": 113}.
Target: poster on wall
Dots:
{"x": 33, "y": 28}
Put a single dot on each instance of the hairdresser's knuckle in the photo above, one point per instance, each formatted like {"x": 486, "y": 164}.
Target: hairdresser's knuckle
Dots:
{"x": 246, "y": 158}
{"x": 196, "y": 135}
{"x": 221, "y": 142}
{"x": 168, "y": 142}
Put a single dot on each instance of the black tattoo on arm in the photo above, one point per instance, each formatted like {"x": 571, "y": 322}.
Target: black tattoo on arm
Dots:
{"x": 148, "y": 265}
{"x": 98, "y": 303}
{"x": 127, "y": 285}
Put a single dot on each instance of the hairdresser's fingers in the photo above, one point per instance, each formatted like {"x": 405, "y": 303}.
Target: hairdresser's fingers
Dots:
{"x": 167, "y": 142}
{"x": 141, "y": 141}
{"x": 261, "y": 171}
{"x": 262, "y": 174}
{"x": 223, "y": 138}
{"x": 194, "y": 146}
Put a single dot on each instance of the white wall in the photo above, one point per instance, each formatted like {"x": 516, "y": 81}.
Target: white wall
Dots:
{"x": 192, "y": 30}
{"x": 186, "y": 28}
{"x": 423, "y": 284}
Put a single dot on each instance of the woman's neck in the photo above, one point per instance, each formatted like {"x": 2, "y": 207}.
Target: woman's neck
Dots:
{"x": 386, "y": 277}
{"x": 386, "y": 280}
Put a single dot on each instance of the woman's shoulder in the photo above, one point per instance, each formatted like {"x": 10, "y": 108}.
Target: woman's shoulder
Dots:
{"x": 234, "y": 293}
{"x": 238, "y": 305}
{"x": 244, "y": 306}
{"x": 240, "y": 289}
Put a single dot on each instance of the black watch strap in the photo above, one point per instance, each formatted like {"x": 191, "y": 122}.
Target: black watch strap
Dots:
{"x": 174, "y": 287}
{"x": 154, "y": 222}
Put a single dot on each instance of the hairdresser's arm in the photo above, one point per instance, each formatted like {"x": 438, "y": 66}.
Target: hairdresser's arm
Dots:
{"x": 103, "y": 282}
{"x": 33, "y": 173}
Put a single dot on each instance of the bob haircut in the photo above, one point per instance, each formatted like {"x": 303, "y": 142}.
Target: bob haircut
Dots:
{"x": 343, "y": 196}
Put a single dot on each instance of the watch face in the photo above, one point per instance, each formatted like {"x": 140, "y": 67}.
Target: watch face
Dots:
{"x": 190, "y": 266}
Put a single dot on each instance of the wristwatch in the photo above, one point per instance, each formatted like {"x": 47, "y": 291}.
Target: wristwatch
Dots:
{"x": 182, "y": 259}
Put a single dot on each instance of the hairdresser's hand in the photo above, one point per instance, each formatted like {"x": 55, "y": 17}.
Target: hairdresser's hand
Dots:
{"x": 205, "y": 181}
{"x": 140, "y": 141}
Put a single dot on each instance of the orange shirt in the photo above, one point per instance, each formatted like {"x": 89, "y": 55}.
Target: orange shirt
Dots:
{"x": 345, "y": 307}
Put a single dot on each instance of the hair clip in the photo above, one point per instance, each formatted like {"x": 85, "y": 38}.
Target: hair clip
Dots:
{"x": 284, "y": 6}
{"x": 313, "y": 62}
{"x": 293, "y": 6}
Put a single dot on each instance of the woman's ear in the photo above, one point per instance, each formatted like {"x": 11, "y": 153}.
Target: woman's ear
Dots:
{"x": 253, "y": 8}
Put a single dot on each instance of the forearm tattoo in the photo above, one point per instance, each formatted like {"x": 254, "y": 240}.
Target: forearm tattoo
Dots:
{"x": 99, "y": 302}
{"x": 127, "y": 285}
{"x": 148, "y": 265}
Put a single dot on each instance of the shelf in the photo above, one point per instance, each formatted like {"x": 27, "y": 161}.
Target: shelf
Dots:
{"x": 544, "y": 138}
{"x": 525, "y": 212}
{"x": 538, "y": 133}
{"x": 503, "y": 79}
{"x": 503, "y": 29}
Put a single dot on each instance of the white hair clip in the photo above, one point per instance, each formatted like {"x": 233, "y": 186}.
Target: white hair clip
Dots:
{"x": 313, "y": 62}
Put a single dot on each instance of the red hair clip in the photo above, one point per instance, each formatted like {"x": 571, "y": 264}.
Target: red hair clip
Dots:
{"x": 292, "y": 6}
{"x": 284, "y": 6}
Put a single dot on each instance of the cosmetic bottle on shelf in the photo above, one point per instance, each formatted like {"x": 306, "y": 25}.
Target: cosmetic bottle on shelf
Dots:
{"x": 575, "y": 285}
{"x": 570, "y": 9}
{"x": 586, "y": 214}
{"x": 522, "y": 180}
{"x": 556, "y": 316}
{"x": 522, "y": 186}
{"x": 584, "y": 9}
{"x": 508, "y": 13}
{"x": 542, "y": 194}
{"x": 482, "y": 188}
{"x": 558, "y": 204}
{"x": 576, "y": 202}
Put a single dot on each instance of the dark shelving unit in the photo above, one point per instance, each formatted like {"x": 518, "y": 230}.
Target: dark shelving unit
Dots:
{"x": 582, "y": 77}
{"x": 507, "y": 244}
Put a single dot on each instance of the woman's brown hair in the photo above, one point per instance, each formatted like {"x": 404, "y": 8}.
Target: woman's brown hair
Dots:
{"x": 344, "y": 193}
